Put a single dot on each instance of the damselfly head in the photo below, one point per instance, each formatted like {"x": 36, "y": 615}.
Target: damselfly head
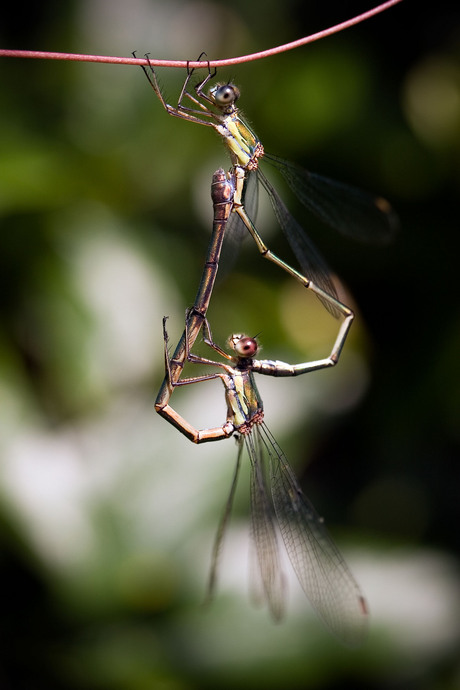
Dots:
{"x": 224, "y": 95}
{"x": 243, "y": 345}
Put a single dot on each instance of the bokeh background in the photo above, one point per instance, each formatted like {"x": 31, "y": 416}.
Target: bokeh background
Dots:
{"x": 107, "y": 514}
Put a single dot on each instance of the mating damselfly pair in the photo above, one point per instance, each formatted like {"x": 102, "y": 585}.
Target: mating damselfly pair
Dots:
{"x": 276, "y": 497}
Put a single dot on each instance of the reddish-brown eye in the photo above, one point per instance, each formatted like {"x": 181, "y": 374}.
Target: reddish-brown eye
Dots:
{"x": 246, "y": 347}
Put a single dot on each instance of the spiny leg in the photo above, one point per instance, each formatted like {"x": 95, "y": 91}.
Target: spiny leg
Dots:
{"x": 180, "y": 110}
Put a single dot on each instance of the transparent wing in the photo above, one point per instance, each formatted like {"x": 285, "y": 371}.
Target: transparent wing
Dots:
{"x": 236, "y": 230}
{"x": 263, "y": 530}
{"x": 220, "y": 534}
{"x": 250, "y": 196}
{"x": 349, "y": 210}
{"x": 317, "y": 562}
{"x": 310, "y": 260}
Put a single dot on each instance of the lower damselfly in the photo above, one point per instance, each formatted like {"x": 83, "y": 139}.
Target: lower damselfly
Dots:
{"x": 351, "y": 211}
{"x": 276, "y": 496}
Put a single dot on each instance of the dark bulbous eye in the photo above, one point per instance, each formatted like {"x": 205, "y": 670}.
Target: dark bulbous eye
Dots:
{"x": 226, "y": 94}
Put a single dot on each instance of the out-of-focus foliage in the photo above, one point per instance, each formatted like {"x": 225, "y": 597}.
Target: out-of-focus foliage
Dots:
{"x": 107, "y": 514}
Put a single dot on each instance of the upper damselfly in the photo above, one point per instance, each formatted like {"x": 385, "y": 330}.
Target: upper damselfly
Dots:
{"x": 351, "y": 211}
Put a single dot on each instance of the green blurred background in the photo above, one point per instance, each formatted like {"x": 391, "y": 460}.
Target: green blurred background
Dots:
{"x": 107, "y": 513}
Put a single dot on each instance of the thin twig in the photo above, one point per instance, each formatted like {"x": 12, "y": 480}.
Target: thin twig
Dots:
{"x": 75, "y": 57}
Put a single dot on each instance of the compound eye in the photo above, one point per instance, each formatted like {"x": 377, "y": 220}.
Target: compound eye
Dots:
{"x": 246, "y": 347}
{"x": 226, "y": 94}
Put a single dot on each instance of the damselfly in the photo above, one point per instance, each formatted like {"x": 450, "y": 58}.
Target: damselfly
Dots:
{"x": 276, "y": 496}
{"x": 352, "y": 212}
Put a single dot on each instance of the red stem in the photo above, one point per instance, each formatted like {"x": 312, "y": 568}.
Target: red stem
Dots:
{"x": 37, "y": 54}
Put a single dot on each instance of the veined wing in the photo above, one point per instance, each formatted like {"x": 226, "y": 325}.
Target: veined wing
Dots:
{"x": 236, "y": 230}
{"x": 320, "y": 567}
{"x": 263, "y": 530}
{"x": 353, "y": 212}
{"x": 220, "y": 534}
{"x": 310, "y": 260}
